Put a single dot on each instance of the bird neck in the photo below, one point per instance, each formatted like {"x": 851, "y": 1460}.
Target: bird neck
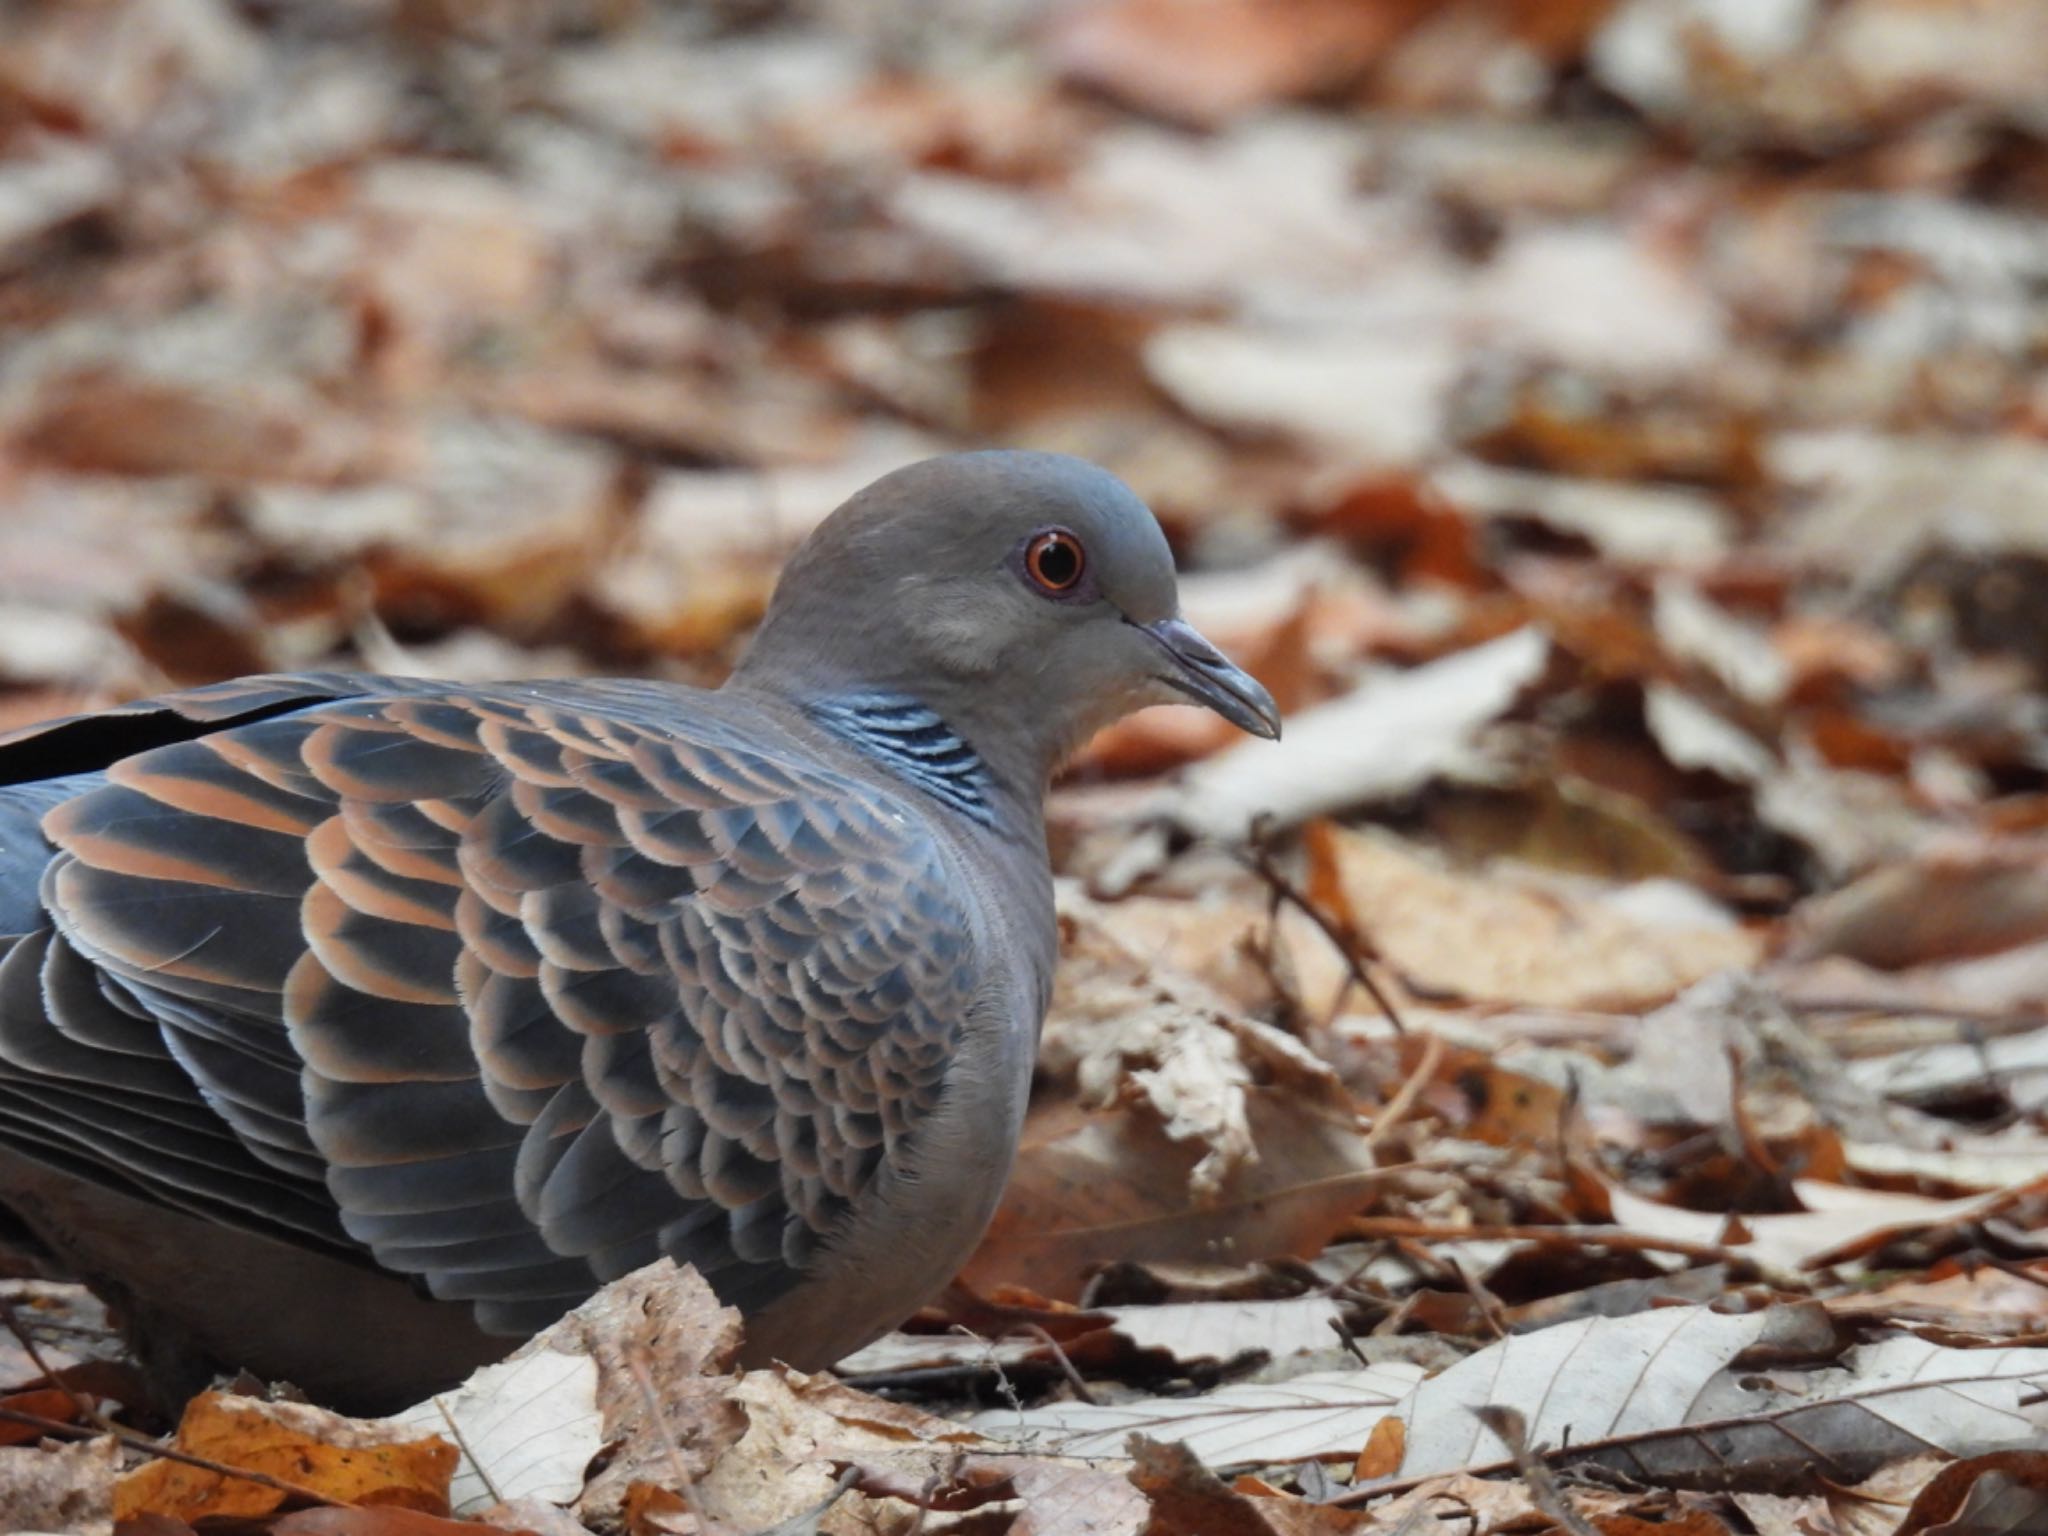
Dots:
{"x": 964, "y": 754}
{"x": 913, "y": 741}
{"x": 961, "y": 738}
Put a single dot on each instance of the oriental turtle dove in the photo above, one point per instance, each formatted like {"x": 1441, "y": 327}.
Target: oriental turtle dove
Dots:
{"x": 353, "y": 1028}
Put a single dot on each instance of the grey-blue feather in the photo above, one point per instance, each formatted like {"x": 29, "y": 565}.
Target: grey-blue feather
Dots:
{"x": 503, "y": 991}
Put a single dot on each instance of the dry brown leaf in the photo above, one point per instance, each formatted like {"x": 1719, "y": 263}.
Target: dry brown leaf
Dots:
{"x": 1191, "y": 1332}
{"x": 45, "y": 1403}
{"x": 99, "y": 422}
{"x": 799, "y": 1429}
{"x": 1094, "y": 1189}
{"x": 1951, "y": 904}
{"x": 537, "y": 1516}
{"x": 1567, "y": 824}
{"x": 1196, "y": 1133}
{"x": 1503, "y": 937}
{"x": 1730, "y": 1033}
{"x": 2004, "y": 1494}
{"x": 1485, "y": 1101}
{"x": 1874, "y": 501}
{"x": 1383, "y": 1450}
{"x": 1371, "y": 395}
{"x": 1989, "y": 1302}
{"x": 484, "y": 519}
{"x": 1076, "y": 1499}
{"x": 1654, "y": 525}
{"x": 1405, "y": 518}
{"x": 527, "y": 1426}
{"x": 1188, "y": 1499}
{"x": 665, "y": 1320}
{"x": 382, "y": 1520}
{"x": 348, "y": 1460}
{"x": 1208, "y": 60}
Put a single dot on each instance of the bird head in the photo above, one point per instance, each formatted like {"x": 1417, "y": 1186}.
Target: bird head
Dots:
{"x": 1028, "y": 598}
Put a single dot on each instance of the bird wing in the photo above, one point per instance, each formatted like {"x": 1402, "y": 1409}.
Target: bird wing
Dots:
{"x": 515, "y": 988}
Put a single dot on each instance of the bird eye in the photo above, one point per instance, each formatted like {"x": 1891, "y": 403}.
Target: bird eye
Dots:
{"x": 1055, "y": 560}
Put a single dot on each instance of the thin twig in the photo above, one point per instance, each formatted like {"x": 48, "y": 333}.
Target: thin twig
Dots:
{"x": 1342, "y": 1328}
{"x": 1488, "y": 1304}
{"x": 1257, "y": 856}
{"x": 149, "y": 1447}
{"x": 1405, "y": 1097}
{"x": 83, "y": 1402}
{"x": 1513, "y": 1430}
{"x": 1003, "y": 1384}
{"x": 806, "y": 1524}
{"x": 1752, "y": 1140}
{"x": 1067, "y": 1366}
{"x": 1601, "y": 1237}
{"x": 475, "y": 1463}
{"x": 2017, "y": 1271}
{"x": 636, "y": 1362}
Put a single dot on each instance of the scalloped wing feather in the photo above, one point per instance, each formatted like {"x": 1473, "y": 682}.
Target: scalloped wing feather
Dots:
{"x": 515, "y": 988}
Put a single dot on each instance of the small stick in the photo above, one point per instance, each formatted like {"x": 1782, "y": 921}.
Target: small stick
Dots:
{"x": 468, "y": 1455}
{"x": 1746, "y": 1132}
{"x": 806, "y": 1524}
{"x": 1352, "y": 945}
{"x": 1343, "y": 1331}
{"x": 1618, "y": 1238}
{"x": 636, "y": 1362}
{"x": 83, "y": 1402}
{"x": 1073, "y": 1376}
{"x": 1513, "y": 1429}
{"x": 1405, "y": 1097}
{"x": 1003, "y": 1384}
{"x": 1487, "y": 1303}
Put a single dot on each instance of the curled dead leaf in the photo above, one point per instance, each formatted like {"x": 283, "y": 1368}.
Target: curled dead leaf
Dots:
{"x": 345, "y": 1460}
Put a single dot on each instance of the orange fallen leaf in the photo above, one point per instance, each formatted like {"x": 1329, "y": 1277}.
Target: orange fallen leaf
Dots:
{"x": 380, "y": 1520}
{"x": 1209, "y": 60}
{"x": 1384, "y": 1447}
{"x": 44, "y": 1403}
{"x": 345, "y": 1460}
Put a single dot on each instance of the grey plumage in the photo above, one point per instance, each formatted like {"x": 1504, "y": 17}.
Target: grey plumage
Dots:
{"x": 500, "y": 992}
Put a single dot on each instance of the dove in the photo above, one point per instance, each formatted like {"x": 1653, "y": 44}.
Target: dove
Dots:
{"x": 354, "y": 1028}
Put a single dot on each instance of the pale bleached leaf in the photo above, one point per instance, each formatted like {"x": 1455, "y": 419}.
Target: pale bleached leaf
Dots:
{"x": 1585, "y": 1380}
{"x": 526, "y": 1427}
{"x": 1661, "y": 1396}
{"x": 1220, "y": 1330}
{"x": 1324, "y": 1413}
{"x": 1839, "y": 1219}
{"x": 1397, "y": 733}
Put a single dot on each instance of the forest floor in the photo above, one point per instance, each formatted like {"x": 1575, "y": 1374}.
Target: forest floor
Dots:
{"x": 1592, "y": 1074}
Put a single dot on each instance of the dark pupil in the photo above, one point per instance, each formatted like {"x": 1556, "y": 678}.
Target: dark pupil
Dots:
{"x": 1058, "y": 563}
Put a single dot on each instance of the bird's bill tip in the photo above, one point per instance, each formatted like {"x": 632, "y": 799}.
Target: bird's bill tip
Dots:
{"x": 1208, "y": 677}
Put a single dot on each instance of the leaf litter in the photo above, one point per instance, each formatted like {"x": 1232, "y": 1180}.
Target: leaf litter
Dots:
{"x": 1615, "y": 432}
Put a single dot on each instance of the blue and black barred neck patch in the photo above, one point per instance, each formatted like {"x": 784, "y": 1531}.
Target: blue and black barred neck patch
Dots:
{"x": 913, "y": 741}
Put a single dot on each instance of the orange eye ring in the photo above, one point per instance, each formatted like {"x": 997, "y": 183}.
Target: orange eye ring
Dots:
{"x": 1055, "y": 561}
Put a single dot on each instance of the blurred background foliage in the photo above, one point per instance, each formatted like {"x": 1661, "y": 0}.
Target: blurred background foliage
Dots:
{"x": 512, "y": 337}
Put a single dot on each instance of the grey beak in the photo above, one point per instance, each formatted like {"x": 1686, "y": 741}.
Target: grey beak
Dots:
{"x": 1197, "y": 669}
